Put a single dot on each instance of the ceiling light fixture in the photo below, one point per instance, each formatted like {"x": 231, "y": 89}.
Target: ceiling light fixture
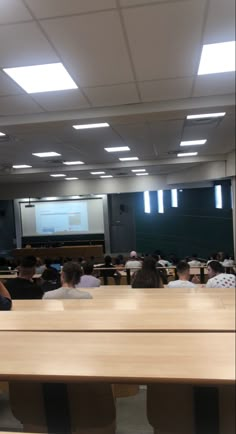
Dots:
{"x": 21, "y": 166}
{"x": 42, "y": 78}
{"x": 129, "y": 159}
{"x": 217, "y": 58}
{"x": 207, "y": 115}
{"x": 106, "y": 176}
{"x": 193, "y": 142}
{"x": 71, "y": 163}
{"x": 58, "y": 175}
{"x": 73, "y": 178}
{"x": 187, "y": 154}
{"x": 88, "y": 126}
{"x": 2, "y": 134}
{"x": 118, "y": 149}
{"x": 97, "y": 173}
{"x": 142, "y": 174}
{"x": 138, "y": 170}
{"x": 46, "y": 154}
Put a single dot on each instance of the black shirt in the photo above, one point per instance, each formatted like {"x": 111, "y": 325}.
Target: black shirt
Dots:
{"x": 5, "y": 303}
{"x": 23, "y": 289}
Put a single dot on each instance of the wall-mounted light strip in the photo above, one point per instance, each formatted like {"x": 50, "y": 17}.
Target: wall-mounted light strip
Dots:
{"x": 218, "y": 197}
{"x": 174, "y": 198}
{"x": 160, "y": 202}
{"x": 147, "y": 206}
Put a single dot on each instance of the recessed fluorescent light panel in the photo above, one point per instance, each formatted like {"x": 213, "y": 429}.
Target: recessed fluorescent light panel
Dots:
{"x": 147, "y": 206}
{"x": 128, "y": 158}
{"x": 2, "y": 134}
{"x": 193, "y": 142}
{"x": 218, "y": 197}
{"x": 21, "y": 166}
{"x": 106, "y": 176}
{"x": 118, "y": 149}
{"x": 207, "y": 116}
{"x": 187, "y": 154}
{"x": 46, "y": 154}
{"x": 142, "y": 174}
{"x": 72, "y": 163}
{"x": 97, "y": 173}
{"x": 58, "y": 175}
{"x": 217, "y": 58}
{"x": 88, "y": 126}
{"x": 138, "y": 170}
{"x": 42, "y": 78}
{"x": 73, "y": 178}
{"x": 160, "y": 202}
{"x": 174, "y": 198}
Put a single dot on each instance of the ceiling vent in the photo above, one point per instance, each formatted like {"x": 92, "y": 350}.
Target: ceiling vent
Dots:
{"x": 204, "y": 121}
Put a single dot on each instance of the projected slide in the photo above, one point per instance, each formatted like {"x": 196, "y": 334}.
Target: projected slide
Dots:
{"x": 61, "y": 217}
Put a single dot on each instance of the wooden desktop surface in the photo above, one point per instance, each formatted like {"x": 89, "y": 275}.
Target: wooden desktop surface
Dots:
{"x": 127, "y": 302}
{"x": 119, "y": 320}
{"x": 118, "y": 357}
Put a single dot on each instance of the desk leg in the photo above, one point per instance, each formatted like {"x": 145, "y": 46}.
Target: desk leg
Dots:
{"x": 128, "y": 276}
{"x": 206, "y": 410}
{"x": 56, "y": 408}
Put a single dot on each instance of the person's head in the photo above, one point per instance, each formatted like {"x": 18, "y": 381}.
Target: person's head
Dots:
{"x": 214, "y": 268}
{"x": 48, "y": 262}
{"x": 108, "y": 260}
{"x": 133, "y": 254}
{"x": 221, "y": 256}
{"x": 71, "y": 273}
{"x": 50, "y": 274}
{"x": 27, "y": 267}
{"x": 183, "y": 270}
{"x": 88, "y": 268}
{"x": 149, "y": 264}
{"x": 38, "y": 262}
{"x": 194, "y": 255}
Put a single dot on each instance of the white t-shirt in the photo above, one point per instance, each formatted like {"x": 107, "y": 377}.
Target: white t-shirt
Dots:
{"x": 88, "y": 281}
{"x": 181, "y": 284}
{"x": 222, "y": 280}
{"x": 194, "y": 263}
{"x": 133, "y": 264}
{"x": 66, "y": 293}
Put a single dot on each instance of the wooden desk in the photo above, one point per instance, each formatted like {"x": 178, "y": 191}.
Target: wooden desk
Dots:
{"x": 119, "y": 321}
{"x": 118, "y": 357}
{"x": 66, "y": 251}
{"x": 125, "y": 303}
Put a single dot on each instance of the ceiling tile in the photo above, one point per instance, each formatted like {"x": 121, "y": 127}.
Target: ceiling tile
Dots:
{"x": 24, "y": 44}
{"x": 170, "y": 45}
{"x": 166, "y": 89}
{"x": 220, "y": 25}
{"x": 18, "y": 104}
{"x": 55, "y": 8}
{"x": 63, "y": 100}
{"x": 13, "y": 11}
{"x": 92, "y": 47}
{"x": 8, "y": 86}
{"x": 112, "y": 95}
{"x": 215, "y": 84}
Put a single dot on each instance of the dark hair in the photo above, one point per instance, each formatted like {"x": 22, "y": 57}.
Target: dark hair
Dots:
{"x": 195, "y": 255}
{"x": 182, "y": 267}
{"x": 72, "y": 272}
{"x": 216, "y": 266}
{"x": 88, "y": 268}
{"x": 148, "y": 276}
{"x": 50, "y": 274}
{"x": 28, "y": 262}
{"x": 107, "y": 260}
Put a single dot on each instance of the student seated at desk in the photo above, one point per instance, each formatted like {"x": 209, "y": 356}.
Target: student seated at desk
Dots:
{"x": 148, "y": 276}
{"x": 183, "y": 271}
{"x": 5, "y": 298}
{"x": 70, "y": 278}
{"x": 218, "y": 278}
{"x": 133, "y": 262}
{"x": 194, "y": 261}
{"x": 23, "y": 287}
{"x": 110, "y": 272}
{"x": 88, "y": 280}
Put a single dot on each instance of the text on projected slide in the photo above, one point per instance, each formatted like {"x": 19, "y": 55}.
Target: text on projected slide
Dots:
{"x": 61, "y": 217}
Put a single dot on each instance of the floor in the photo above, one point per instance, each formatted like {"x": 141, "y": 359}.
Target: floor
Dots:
{"x": 131, "y": 415}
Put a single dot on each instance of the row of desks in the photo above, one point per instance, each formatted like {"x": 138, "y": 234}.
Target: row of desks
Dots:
{"x": 122, "y": 336}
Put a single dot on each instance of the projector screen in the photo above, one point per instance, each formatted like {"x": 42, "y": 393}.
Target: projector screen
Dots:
{"x": 70, "y": 217}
